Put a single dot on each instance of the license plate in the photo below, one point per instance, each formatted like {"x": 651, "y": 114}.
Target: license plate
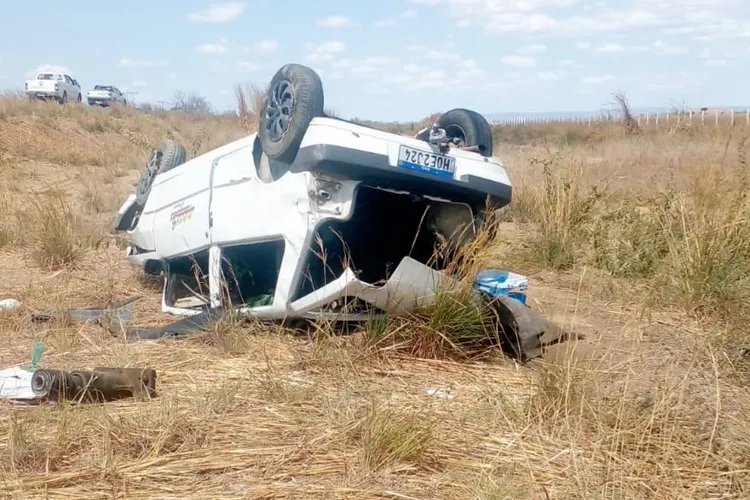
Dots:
{"x": 426, "y": 161}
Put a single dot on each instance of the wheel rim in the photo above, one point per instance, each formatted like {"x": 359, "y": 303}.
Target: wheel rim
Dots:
{"x": 279, "y": 110}
{"x": 457, "y": 132}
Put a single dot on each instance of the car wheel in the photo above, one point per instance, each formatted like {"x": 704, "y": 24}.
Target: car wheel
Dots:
{"x": 64, "y": 98}
{"x": 166, "y": 156}
{"x": 293, "y": 98}
{"x": 471, "y": 128}
{"x": 79, "y": 99}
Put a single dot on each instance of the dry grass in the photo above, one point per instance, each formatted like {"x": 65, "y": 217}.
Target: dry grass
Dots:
{"x": 637, "y": 242}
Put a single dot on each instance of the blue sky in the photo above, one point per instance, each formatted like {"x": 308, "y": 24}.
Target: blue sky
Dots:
{"x": 397, "y": 59}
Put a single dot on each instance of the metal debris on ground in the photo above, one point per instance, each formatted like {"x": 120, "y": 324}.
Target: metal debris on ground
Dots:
{"x": 93, "y": 314}
{"x": 97, "y": 385}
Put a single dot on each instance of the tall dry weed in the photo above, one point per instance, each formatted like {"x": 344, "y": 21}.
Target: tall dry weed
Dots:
{"x": 560, "y": 209}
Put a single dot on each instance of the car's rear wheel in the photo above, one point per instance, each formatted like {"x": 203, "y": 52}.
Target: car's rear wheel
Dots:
{"x": 166, "y": 156}
{"x": 469, "y": 127}
{"x": 293, "y": 98}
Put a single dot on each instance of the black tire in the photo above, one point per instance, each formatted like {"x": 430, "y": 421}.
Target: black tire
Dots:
{"x": 166, "y": 156}
{"x": 64, "y": 98}
{"x": 79, "y": 99}
{"x": 470, "y": 127}
{"x": 293, "y": 98}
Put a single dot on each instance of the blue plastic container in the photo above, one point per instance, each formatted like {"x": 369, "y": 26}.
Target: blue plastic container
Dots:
{"x": 498, "y": 282}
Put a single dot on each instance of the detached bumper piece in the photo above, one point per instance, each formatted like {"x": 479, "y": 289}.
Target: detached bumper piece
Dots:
{"x": 97, "y": 385}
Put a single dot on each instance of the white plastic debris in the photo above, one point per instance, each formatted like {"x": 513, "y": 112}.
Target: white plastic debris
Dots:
{"x": 9, "y": 305}
{"x": 500, "y": 282}
{"x": 438, "y": 393}
{"x": 15, "y": 383}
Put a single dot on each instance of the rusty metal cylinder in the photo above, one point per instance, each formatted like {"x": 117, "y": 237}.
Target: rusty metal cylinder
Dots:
{"x": 100, "y": 384}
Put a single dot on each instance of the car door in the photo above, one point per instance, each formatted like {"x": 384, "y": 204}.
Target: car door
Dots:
{"x": 70, "y": 88}
{"x": 247, "y": 211}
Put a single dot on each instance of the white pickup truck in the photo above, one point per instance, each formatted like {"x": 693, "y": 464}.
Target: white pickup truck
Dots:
{"x": 51, "y": 85}
{"x": 105, "y": 95}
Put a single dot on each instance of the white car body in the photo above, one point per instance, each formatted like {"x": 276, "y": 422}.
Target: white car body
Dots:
{"x": 52, "y": 85}
{"x": 105, "y": 95}
{"x": 217, "y": 207}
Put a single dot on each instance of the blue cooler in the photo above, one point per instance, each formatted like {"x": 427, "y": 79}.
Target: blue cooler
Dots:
{"x": 498, "y": 282}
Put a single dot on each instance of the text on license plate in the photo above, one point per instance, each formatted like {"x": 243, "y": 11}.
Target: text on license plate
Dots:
{"x": 425, "y": 161}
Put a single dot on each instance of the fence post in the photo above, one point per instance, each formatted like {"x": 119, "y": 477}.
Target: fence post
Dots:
{"x": 717, "y": 118}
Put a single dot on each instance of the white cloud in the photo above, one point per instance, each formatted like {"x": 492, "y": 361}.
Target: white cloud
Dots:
{"x": 610, "y": 47}
{"x": 335, "y": 22}
{"x": 127, "y": 62}
{"x": 324, "y": 51}
{"x": 384, "y": 23}
{"x": 700, "y": 19}
{"x": 237, "y": 67}
{"x": 426, "y": 2}
{"x": 716, "y": 62}
{"x": 595, "y": 80}
{"x": 667, "y": 49}
{"x": 213, "y": 48}
{"x": 409, "y": 14}
{"x": 264, "y": 47}
{"x": 50, "y": 68}
{"x": 534, "y": 48}
{"x": 569, "y": 63}
{"x": 362, "y": 67}
{"x": 450, "y": 55}
{"x": 247, "y": 67}
{"x": 518, "y": 61}
{"x": 675, "y": 81}
{"x": 218, "y": 13}
{"x": 390, "y": 75}
{"x": 138, "y": 83}
{"x": 657, "y": 47}
{"x": 547, "y": 76}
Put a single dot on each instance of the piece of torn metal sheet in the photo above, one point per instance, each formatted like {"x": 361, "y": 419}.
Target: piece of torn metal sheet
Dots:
{"x": 89, "y": 314}
{"x": 411, "y": 286}
{"x": 183, "y": 326}
{"x": 15, "y": 384}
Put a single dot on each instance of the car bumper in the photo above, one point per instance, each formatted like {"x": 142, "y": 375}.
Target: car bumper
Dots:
{"x": 377, "y": 169}
{"x": 41, "y": 94}
{"x": 99, "y": 101}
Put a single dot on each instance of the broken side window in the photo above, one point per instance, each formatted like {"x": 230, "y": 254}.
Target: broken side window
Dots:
{"x": 250, "y": 272}
{"x": 187, "y": 281}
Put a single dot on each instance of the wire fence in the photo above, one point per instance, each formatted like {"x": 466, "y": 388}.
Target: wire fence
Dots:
{"x": 703, "y": 117}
